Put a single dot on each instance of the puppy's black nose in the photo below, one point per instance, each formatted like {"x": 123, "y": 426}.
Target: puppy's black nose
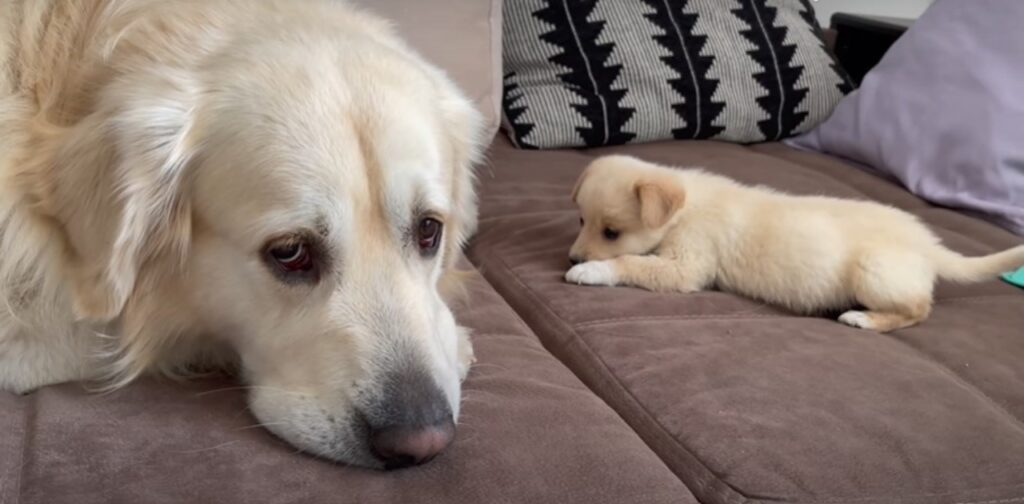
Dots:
{"x": 400, "y": 447}
{"x": 574, "y": 260}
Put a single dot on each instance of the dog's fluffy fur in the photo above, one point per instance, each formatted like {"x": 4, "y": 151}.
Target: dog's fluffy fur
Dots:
{"x": 686, "y": 230}
{"x": 152, "y": 150}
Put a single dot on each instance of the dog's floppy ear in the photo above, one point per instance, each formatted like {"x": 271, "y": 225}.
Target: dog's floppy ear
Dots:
{"x": 148, "y": 122}
{"x": 464, "y": 126}
{"x": 660, "y": 198}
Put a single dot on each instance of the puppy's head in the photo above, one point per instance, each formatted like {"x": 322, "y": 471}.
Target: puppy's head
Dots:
{"x": 626, "y": 206}
{"x": 296, "y": 198}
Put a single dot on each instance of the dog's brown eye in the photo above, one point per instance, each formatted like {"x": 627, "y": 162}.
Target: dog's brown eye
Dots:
{"x": 581, "y": 221}
{"x": 610, "y": 234}
{"x": 428, "y": 235}
{"x": 293, "y": 256}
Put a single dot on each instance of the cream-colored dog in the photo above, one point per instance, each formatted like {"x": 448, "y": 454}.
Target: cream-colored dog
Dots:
{"x": 280, "y": 185}
{"x": 666, "y": 229}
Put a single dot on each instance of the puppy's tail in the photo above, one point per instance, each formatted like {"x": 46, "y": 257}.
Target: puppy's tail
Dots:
{"x": 957, "y": 268}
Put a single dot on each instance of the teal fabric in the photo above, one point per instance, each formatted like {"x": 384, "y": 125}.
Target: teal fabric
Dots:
{"x": 1015, "y": 277}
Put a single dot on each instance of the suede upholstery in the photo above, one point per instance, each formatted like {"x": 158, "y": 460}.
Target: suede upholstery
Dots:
{"x": 658, "y": 398}
{"x": 748, "y": 403}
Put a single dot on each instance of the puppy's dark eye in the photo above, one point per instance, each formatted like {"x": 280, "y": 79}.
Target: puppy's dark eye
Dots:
{"x": 428, "y": 235}
{"x": 581, "y": 222}
{"x": 610, "y": 234}
{"x": 292, "y": 256}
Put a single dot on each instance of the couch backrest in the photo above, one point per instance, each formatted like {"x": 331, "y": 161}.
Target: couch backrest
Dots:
{"x": 461, "y": 36}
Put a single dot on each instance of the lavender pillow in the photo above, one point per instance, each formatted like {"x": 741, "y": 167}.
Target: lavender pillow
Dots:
{"x": 943, "y": 111}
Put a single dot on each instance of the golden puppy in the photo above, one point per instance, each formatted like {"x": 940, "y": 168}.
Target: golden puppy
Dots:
{"x": 278, "y": 185}
{"x": 664, "y": 229}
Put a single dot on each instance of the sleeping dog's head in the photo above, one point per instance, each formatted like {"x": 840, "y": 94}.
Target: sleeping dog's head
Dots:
{"x": 626, "y": 207}
{"x": 295, "y": 191}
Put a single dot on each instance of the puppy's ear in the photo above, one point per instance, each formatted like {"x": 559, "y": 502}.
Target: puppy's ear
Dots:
{"x": 143, "y": 214}
{"x": 660, "y": 198}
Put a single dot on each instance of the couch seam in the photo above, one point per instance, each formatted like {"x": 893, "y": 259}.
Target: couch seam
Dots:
{"x": 520, "y": 322}
{"x": 660, "y": 318}
{"x": 751, "y": 315}
{"x": 484, "y": 220}
{"x": 711, "y": 478}
{"x": 972, "y": 299}
{"x": 996, "y": 501}
{"x": 937, "y": 494}
{"x": 1017, "y": 423}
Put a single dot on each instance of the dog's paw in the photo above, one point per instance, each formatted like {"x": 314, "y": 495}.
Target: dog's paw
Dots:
{"x": 592, "y": 273}
{"x": 859, "y": 319}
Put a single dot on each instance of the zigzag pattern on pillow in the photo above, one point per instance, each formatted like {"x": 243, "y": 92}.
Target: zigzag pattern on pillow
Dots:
{"x": 585, "y": 73}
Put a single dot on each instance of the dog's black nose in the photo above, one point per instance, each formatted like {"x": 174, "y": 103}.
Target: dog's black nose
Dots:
{"x": 574, "y": 260}
{"x": 410, "y": 422}
{"x": 400, "y": 447}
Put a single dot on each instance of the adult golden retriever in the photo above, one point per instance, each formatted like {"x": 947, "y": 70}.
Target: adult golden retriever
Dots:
{"x": 280, "y": 184}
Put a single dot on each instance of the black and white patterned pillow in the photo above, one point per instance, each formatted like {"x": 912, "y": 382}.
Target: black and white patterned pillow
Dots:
{"x": 584, "y": 73}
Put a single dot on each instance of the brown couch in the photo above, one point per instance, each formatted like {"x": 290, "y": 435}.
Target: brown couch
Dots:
{"x": 607, "y": 395}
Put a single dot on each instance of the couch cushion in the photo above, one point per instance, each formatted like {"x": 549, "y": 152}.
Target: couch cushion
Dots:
{"x": 530, "y": 432}
{"x": 463, "y": 37}
{"x": 749, "y": 403}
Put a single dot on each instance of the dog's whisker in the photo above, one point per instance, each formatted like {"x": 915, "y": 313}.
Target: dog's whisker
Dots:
{"x": 475, "y": 400}
{"x": 261, "y": 425}
{"x": 225, "y": 389}
{"x": 488, "y": 365}
{"x": 12, "y": 313}
{"x": 467, "y": 439}
{"x": 298, "y": 450}
{"x": 244, "y": 411}
{"x": 247, "y": 388}
{"x": 215, "y": 447}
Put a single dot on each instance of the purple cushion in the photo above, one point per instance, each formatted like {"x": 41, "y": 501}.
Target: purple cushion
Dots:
{"x": 943, "y": 112}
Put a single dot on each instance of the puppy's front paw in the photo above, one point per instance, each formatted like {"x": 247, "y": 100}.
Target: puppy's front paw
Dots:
{"x": 592, "y": 273}
{"x": 858, "y": 319}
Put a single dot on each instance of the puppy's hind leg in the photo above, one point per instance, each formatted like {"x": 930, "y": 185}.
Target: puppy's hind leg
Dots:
{"x": 895, "y": 287}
